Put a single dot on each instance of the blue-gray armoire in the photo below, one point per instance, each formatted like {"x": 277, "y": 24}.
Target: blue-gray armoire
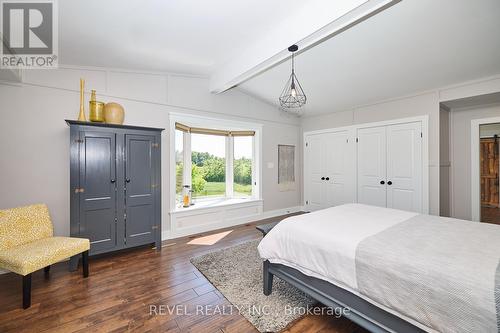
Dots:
{"x": 115, "y": 185}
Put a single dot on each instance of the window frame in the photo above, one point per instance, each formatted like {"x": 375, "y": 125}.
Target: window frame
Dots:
{"x": 222, "y": 124}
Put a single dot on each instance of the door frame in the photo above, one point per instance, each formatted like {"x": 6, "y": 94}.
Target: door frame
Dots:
{"x": 475, "y": 175}
{"x": 352, "y": 129}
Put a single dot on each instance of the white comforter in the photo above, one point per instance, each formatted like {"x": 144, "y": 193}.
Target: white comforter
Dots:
{"x": 440, "y": 274}
{"x": 329, "y": 254}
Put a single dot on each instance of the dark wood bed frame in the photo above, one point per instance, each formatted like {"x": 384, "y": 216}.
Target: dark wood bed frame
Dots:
{"x": 362, "y": 312}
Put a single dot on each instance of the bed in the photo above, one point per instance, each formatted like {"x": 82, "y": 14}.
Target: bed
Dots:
{"x": 395, "y": 271}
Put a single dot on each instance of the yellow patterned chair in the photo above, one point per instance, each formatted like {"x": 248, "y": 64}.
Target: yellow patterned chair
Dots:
{"x": 27, "y": 244}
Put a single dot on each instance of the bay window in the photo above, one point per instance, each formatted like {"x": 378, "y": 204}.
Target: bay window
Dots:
{"x": 215, "y": 163}
{"x": 208, "y": 165}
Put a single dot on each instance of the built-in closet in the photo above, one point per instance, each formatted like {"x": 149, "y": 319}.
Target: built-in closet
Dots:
{"x": 379, "y": 164}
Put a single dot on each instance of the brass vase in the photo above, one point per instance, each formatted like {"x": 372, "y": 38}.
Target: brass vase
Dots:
{"x": 81, "y": 115}
{"x": 96, "y": 109}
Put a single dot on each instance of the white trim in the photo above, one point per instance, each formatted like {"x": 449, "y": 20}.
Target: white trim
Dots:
{"x": 352, "y": 129}
{"x": 475, "y": 167}
{"x": 230, "y": 166}
{"x": 213, "y": 227}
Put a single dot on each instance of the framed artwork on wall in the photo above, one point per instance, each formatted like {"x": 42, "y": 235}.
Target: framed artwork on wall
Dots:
{"x": 286, "y": 167}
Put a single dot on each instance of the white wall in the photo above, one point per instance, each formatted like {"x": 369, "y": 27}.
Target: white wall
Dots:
{"x": 425, "y": 104}
{"x": 461, "y": 155}
{"x": 34, "y": 139}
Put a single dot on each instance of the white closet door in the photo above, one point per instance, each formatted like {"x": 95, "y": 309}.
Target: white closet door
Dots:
{"x": 371, "y": 152}
{"x": 339, "y": 163}
{"x": 404, "y": 166}
{"x": 315, "y": 161}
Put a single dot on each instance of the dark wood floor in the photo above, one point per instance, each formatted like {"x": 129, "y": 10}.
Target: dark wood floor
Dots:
{"x": 121, "y": 287}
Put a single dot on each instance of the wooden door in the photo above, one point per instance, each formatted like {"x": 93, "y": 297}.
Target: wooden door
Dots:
{"x": 139, "y": 189}
{"x": 97, "y": 179}
{"x": 315, "y": 172}
{"x": 339, "y": 164}
{"x": 371, "y": 159}
{"x": 489, "y": 163}
{"x": 404, "y": 167}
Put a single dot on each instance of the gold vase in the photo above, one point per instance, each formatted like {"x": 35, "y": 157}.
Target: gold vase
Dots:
{"x": 96, "y": 109}
{"x": 114, "y": 113}
{"x": 96, "y": 113}
{"x": 81, "y": 115}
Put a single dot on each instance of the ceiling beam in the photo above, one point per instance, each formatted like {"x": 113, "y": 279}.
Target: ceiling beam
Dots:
{"x": 313, "y": 24}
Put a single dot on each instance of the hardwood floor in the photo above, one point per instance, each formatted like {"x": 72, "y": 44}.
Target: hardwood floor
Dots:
{"x": 118, "y": 295}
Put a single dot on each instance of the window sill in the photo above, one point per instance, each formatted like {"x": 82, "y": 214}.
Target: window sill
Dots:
{"x": 202, "y": 204}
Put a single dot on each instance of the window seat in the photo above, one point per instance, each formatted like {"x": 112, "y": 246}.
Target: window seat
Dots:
{"x": 215, "y": 202}
{"x": 212, "y": 214}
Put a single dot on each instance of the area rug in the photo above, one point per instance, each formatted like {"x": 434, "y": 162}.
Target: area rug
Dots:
{"x": 237, "y": 273}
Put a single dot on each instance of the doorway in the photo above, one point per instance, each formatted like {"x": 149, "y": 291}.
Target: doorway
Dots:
{"x": 489, "y": 163}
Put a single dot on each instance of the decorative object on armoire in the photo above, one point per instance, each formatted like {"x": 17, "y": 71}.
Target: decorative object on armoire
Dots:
{"x": 115, "y": 185}
{"x": 114, "y": 113}
{"x": 27, "y": 244}
{"x": 81, "y": 115}
{"x": 293, "y": 95}
{"x": 96, "y": 109}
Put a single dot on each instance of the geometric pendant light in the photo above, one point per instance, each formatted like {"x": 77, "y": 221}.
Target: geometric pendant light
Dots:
{"x": 293, "y": 95}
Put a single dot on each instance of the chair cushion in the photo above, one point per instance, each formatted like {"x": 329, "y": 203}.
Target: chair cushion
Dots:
{"x": 23, "y": 225}
{"x": 41, "y": 253}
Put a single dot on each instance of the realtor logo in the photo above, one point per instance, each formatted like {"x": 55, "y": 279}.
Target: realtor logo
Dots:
{"x": 29, "y": 34}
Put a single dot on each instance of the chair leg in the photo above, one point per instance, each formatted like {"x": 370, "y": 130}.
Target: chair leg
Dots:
{"x": 26, "y": 291}
{"x": 46, "y": 270}
{"x": 85, "y": 263}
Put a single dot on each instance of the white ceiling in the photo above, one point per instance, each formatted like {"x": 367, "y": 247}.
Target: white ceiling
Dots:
{"x": 186, "y": 36}
{"x": 413, "y": 46}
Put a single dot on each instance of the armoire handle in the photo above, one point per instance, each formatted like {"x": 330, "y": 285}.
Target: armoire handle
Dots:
{"x": 322, "y": 178}
{"x": 327, "y": 178}
{"x": 127, "y": 180}
{"x": 113, "y": 181}
{"x": 389, "y": 183}
{"x": 382, "y": 182}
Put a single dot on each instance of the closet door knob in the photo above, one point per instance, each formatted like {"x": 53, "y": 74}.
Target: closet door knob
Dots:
{"x": 389, "y": 183}
{"x": 322, "y": 178}
{"x": 113, "y": 181}
{"x": 127, "y": 180}
{"x": 327, "y": 178}
{"x": 382, "y": 182}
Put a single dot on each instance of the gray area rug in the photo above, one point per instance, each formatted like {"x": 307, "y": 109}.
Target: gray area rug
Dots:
{"x": 237, "y": 273}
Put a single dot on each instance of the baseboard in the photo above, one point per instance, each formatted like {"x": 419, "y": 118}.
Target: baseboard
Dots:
{"x": 167, "y": 234}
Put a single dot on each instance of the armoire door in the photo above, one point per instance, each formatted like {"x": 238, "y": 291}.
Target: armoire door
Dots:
{"x": 315, "y": 159}
{"x": 404, "y": 166}
{"x": 97, "y": 199}
{"x": 371, "y": 152}
{"x": 139, "y": 183}
{"x": 339, "y": 163}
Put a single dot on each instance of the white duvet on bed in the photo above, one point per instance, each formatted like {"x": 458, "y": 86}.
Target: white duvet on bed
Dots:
{"x": 440, "y": 274}
{"x": 329, "y": 254}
